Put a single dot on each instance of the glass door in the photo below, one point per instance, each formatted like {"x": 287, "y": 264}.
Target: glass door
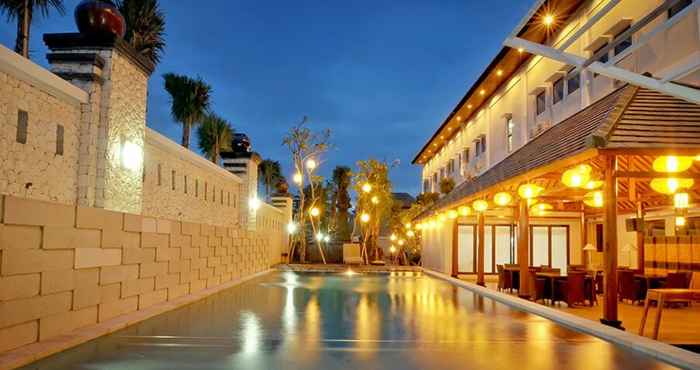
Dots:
{"x": 465, "y": 247}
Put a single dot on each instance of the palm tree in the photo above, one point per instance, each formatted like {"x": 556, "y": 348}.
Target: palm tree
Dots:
{"x": 190, "y": 101}
{"x": 22, "y": 11}
{"x": 214, "y": 136}
{"x": 269, "y": 172}
{"x": 145, "y": 27}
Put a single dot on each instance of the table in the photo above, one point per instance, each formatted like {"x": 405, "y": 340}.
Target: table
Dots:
{"x": 513, "y": 271}
{"x": 650, "y": 281}
{"x": 550, "y": 277}
{"x": 660, "y": 296}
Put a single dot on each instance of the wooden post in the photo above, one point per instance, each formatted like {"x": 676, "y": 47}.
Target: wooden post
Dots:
{"x": 524, "y": 249}
{"x": 480, "y": 250}
{"x": 455, "y": 250}
{"x": 584, "y": 234}
{"x": 610, "y": 245}
{"x": 640, "y": 237}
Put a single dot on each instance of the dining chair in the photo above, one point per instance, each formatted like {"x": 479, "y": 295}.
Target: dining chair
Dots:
{"x": 571, "y": 290}
{"x": 501, "y": 278}
{"x": 629, "y": 288}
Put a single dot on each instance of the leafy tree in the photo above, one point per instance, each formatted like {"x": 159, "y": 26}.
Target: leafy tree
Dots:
{"x": 446, "y": 185}
{"x": 214, "y": 136}
{"x": 22, "y": 11}
{"x": 377, "y": 203}
{"x": 145, "y": 27}
{"x": 426, "y": 199}
{"x": 341, "y": 202}
{"x": 269, "y": 173}
{"x": 189, "y": 101}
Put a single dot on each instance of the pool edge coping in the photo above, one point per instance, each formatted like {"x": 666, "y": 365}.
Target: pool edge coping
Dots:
{"x": 658, "y": 350}
{"x": 36, "y": 351}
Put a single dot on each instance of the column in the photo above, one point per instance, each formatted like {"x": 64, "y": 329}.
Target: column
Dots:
{"x": 610, "y": 245}
{"x": 480, "y": 249}
{"x": 455, "y": 249}
{"x": 245, "y": 166}
{"x": 523, "y": 249}
{"x": 640, "y": 236}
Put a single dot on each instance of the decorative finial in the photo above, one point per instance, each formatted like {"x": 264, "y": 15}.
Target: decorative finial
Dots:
{"x": 99, "y": 18}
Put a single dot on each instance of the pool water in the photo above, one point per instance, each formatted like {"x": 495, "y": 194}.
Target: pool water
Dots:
{"x": 288, "y": 320}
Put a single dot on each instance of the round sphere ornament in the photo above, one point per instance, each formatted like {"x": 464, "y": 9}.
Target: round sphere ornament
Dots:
{"x": 99, "y": 18}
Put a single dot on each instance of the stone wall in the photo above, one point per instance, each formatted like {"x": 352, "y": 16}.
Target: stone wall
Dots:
{"x": 181, "y": 185}
{"x": 64, "y": 267}
{"x": 36, "y": 168}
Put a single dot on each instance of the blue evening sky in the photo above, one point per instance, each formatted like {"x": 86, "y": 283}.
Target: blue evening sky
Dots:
{"x": 382, "y": 75}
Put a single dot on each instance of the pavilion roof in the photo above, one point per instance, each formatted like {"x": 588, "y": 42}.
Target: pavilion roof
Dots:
{"x": 629, "y": 118}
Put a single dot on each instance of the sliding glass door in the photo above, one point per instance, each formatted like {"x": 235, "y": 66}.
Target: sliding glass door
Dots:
{"x": 466, "y": 251}
{"x": 549, "y": 246}
{"x": 499, "y": 247}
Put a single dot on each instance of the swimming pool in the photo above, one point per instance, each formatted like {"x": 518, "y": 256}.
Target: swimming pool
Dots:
{"x": 289, "y": 320}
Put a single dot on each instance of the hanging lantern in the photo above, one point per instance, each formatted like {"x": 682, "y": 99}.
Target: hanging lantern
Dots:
{"x": 502, "y": 199}
{"x": 366, "y": 187}
{"x": 670, "y": 185}
{"x": 594, "y": 199}
{"x": 364, "y": 218}
{"x": 680, "y": 221}
{"x": 392, "y": 237}
{"x": 465, "y": 211}
{"x": 407, "y": 225}
{"x": 451, "y": 214}
{"x": 419, "y": 226}
{"x": 529, "y": 191}
{"x": 681, "y": 200}
{"x": 577, "y": 177}
{"x": 431, "y": 224}
{"x": 593, "y": 184}
{"x": 542, "y": 207}
{"x": 480, "y": 205}
{"x": 672, "y": 163}
{"x": 442, "y": 217}
{"x": 375, "y": 200}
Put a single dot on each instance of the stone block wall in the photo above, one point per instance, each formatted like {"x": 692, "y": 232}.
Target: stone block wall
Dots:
{"x": 64, "y": 267}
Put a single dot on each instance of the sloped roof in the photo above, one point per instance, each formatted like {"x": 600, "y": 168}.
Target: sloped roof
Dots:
{"x": 629, "y": 117}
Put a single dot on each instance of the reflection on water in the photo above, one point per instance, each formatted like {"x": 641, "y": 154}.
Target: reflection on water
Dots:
{"x": 313, "y": 321}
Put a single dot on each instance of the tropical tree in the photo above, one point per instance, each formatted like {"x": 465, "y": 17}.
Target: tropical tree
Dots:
{"x": 340, "y": 202}
{"x": 374, "y": 203}
{"x": 189, "y": 101}
{"x": 269, "y": 173}
{"x": 22, "y": 11}
{"x": 145, "y": 27}
{"x": 214, "y": 136}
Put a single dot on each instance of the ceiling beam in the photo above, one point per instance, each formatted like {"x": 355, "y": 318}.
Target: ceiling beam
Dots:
{"x": 655, "y": 175}
{"x": 545, "y": 51}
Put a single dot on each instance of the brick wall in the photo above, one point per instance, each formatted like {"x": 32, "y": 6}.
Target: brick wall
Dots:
{"x": 64, "y": 267}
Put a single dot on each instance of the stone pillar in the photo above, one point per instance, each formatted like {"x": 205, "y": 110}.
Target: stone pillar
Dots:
{"x": 112, "y": 134}
{"x": 245, "y": 166}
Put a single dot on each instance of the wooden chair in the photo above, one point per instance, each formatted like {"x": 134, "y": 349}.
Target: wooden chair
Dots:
{"x": 501, "y": 278}
{"x": 541, "y": 290}
{"x": 629, "y": 288}
{"x": 677, "y": 280}
{"x": 571, "y": 290}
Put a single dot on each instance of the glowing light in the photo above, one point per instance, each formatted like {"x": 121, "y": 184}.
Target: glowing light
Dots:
{"x": 254, "y": 203}
{"x": 366, "y": 187}
{"x": 419, "y": 226}
{"x": 520, "y": 50}
{"x": 670, "y": 185}
{"x": 593, "y": 184}
{"x": 364, "y": 218}
{"x": 442, "y": 217}
{"x": 393, "y": 237}
{"x": 672, "y": 163}
{"x": 577, "y": 177}
{"x": 529, "y": 191}
{"x": 319, "y": 237}
{"x": 431, "y": 224}
{"x": 548, "y": 20}
{"x": 408, "y": 226}
{"x": 681, "y": 200}
{"x": 349, "y": 272}
{"x": 132, "y": 156}
{"x": 402, "y": 242}
{"x": 452, "y": 214}
{"x": 410, "y": 233}
{"x": 392, "y": 249}
{"x": 311, "y": 164}
{"x": 291, "y": 228}
{"x": 482, "y": 92}
{"x": 327, "y": 238}
{"x": 594, "y": 199}
{"x": 375, "y": 200}
{"x": 314, "y": 212}
{"x": 680, "y": 221}
{"x": 502, "y": 199}
{"x": 480, "y": 205}
{"x": 297, "y": 178}
{"x": 465, "y": 211}
{"x": 541, "y": 207}
{"x": 499, "y": 72}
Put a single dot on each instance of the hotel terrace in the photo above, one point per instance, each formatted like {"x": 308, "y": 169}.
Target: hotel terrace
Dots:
{"x": 576, "y": 150}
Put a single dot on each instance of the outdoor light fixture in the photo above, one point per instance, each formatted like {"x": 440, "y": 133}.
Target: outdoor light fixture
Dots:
{"x": 327, "y": 238}
{"x": 548, "y": 20}
{"x": 366, "y": 187}
{"x": 680, "y": 221}
{"x": 577, "y": 177}
{"x": 442, "y": 217}
{"x": 364, "y": 218}
{"x": 499, "y": 72}
{"x": 375, "y": 200}
{"x": 482, "y": 92}
{"x": 469, "y": 106}
{"x": 672, "y": 163}
{"x": 520, "y": 50}
{"x": 311, "y": 164}
{"x": 529, "y": 191}
{"x": 503, "y": 198}
{"x": 452, "y": 214}
{"x": 681, "y": 200}
{"x": 408, "y": 225}
{"x": 291, "y": 228}
{"x": 541, "y": 207}
{"x": 402, "y": 242}
{"x": 465, "y": 211}
{"x": 132, "y": 156}
{"x": 319, "y": 237}
{"x": 593, "y": 184}
{"x": 594, "y": 199}
{"x": 392, "y": 237}
{"x": 480, "y": 205}
{"x": 297, "y": 178}
{"x": 392, "y": 249}
{"x": 419, "y": 226}
{"x": 314, "y": 211}
{"x": 410, "y": 233}
{"x": 670, "y": 185}
{"x": 254, "y": 203}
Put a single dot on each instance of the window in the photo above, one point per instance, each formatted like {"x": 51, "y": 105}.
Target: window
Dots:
{"x": 22, "y": 124}
{"x": 59, "y": 139}
{"x": 185, "y": 184}
{"x": 624, "y": 44}
{"x": 221, "y": 196}
{"x": 442, "y": 173}
{"x": 558, "y": 91}
{"x": 541, "y": 102}
{"x": 426, "y": 185}
{"x": 509, "y": 133}
{"x": 160, "y": 174}
{"x": 196, "y": 188}
{"x": 172, "y": 179}
{"x": 228, "y": 196}
{"x": 213, "y": 194}
{"x": 675, "y": 9}
{"x": 573, "y": 82}
{"x": 206, "y": 190}
{"x": 466, "y": 155}
{"x": 605, "y": 57}
{"x": 482, "y": 140}
{"x": 451, "y": 166}
{"x": 435, "y": 178}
